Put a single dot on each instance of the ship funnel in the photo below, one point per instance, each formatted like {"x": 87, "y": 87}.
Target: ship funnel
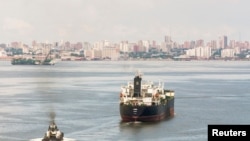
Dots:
{"x": 137, "y": 85}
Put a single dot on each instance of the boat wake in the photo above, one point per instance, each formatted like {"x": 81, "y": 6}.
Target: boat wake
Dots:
{"x": 133, "y": 122}
{"x": 64, "y": 139}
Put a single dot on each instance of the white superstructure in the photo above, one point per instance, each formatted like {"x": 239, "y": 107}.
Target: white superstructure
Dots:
{"x": 150, "y": 93}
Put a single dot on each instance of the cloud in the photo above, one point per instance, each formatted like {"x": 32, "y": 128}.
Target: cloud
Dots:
{"x": 62, "y": 32}
{"x": 16, "y": 25}
{"x": 93, "y": 20}
{"x": 87, "y": 28}
{"x": 122, "y": 29}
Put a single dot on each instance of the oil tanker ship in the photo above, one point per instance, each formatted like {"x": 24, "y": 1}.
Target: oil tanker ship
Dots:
{"x": 146, "y": 102}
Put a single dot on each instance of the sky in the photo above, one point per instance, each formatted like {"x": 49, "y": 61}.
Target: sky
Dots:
{"x": 119, "y": 20}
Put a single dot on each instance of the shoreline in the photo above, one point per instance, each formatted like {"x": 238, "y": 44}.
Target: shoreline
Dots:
{"x": 183, "y": 60}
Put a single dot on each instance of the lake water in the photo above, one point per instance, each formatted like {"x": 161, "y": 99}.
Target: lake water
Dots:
{"x": 84, "y": 96}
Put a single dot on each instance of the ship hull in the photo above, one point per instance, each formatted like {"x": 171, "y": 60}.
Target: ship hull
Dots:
{"x": 31, "y": 62}
{"x": 130, "y": 113}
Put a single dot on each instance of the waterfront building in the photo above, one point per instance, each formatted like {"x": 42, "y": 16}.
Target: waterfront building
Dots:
{"x": 3, "y": 53}
{"x": 200, "y": 52}
{"x": 110, "y": 52}
{"x": 227, "y": 53}
{"x": 124, "y": 46}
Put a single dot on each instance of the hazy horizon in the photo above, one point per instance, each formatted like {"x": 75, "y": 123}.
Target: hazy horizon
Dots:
{"x": 116, "y": 20}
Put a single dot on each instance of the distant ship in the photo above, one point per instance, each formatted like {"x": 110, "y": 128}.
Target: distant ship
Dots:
{"x": 32, "y": 61}
{"x": 29, "y": 61}
{"x": 144, "y": 101}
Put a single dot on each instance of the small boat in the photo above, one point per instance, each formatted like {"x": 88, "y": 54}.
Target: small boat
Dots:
{"x": 145, "y": 101}
{"x": 53, "y": 133}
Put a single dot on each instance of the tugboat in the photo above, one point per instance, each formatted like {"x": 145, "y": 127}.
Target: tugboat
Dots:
{"x": 144, "y": 101}
{"x": 53, "y": 133}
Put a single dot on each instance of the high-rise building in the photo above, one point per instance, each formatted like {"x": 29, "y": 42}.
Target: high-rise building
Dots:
{"x": 199, "y": 43}
{"x": 213, "y": 44}
{"x": 110, "y": 52}
{"x": 199, "y": 52}
{"x": 224, "y": 41}
{"x": 123, "y": 46}
{"x": 186, "y": 44}
{"x": 168, "y": 39}
{"x": 232, "y": 44}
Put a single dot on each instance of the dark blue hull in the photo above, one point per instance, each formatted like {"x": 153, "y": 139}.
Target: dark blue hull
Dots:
{"x": 147, "y": 113}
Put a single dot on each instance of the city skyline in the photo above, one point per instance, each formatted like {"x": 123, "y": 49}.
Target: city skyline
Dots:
{"x": 93, "y": 20}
